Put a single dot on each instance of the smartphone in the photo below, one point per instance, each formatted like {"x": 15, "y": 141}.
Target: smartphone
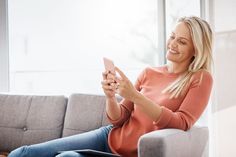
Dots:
{"x": 109, "y": 65}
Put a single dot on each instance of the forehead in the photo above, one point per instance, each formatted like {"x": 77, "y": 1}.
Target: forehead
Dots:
{"x": 181, "y": 30}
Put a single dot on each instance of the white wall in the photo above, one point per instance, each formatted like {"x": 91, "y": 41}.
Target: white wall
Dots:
{"x": 224, "y": 97}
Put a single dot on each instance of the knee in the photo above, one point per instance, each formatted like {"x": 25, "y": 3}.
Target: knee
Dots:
{"x": 19, "y": 152}
{"x": 70, "y": 154}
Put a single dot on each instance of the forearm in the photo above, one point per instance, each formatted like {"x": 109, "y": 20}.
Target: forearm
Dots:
{"x": 113, "y": 108}
{"x": 147, "y": 106}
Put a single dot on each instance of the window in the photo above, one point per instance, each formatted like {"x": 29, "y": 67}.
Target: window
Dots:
{"x": 177, "y": 9}
{"x": 58, "y": 46}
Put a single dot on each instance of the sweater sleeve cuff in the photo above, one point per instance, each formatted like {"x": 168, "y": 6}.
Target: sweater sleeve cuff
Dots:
{"x": 114, "y": 121}
{"x": 164, "y": 118}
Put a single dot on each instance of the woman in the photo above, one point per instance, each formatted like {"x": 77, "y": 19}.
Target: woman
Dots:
{"x": 171, "y": 96}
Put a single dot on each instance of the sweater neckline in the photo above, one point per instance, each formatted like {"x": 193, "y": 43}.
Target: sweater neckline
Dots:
{"x": 166, "y": 72}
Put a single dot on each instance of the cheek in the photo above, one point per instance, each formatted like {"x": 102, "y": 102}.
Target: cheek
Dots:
{"x": 189, "y": 53}
{"x": 191, "y": 50}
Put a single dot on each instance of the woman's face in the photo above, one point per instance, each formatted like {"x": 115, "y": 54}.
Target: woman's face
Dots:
{"x": 180, "y": 47}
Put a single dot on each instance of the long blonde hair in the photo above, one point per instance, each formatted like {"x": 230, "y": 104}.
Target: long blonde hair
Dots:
{"x": 201, "y": 34}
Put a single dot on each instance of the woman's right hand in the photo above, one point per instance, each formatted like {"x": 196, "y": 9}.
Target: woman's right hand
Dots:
{"x": 108, "y": 84}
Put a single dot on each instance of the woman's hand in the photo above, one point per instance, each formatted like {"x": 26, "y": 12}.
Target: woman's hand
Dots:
{"x": 109, "y": 84}
{"x": 125, "y": 87}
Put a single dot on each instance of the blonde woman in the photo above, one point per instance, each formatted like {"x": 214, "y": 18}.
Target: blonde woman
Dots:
{"x": 171, "y": 96}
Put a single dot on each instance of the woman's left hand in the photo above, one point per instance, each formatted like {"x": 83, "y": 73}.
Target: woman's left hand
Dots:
{"x": 125, "y": 87}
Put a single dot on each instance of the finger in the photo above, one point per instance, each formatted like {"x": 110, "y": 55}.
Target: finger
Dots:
{"x": 111, "y": 76}
{"x": 117, "y": 90}
{"x": 118, "y": 80}
{"x": 120, "y": 73}
{"x": 107, "y": 82}
{"x": 104, "y": 83}
{"x": 117, "y": 86}
{"x": 104, "y": 75}
{"x": 112, "y": 72}
{"x": 108, "y": 87}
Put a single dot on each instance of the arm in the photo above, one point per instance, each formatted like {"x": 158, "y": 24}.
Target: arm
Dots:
{"x": 192, "y": 106}
{"x": 108, "y": 84}
{"x": 131, "y": 93}
{"x": 148, "y": 106}
{"x": 125, "y": 107}
{"x": 190, "y": 110}
{"x": 118, "y": 113}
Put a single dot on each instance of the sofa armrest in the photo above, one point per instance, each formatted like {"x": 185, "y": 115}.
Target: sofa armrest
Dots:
{"x": 174, "y": 142}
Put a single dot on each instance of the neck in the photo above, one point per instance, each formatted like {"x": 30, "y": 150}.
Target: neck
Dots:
{"x": 177, "y": 67}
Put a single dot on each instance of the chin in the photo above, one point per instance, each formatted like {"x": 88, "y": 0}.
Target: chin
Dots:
{"x": 171, "y": 58}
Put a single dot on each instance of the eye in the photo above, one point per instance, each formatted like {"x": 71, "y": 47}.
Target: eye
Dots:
{"x": 172, "y": 37}
{"x": 182, "y": 42}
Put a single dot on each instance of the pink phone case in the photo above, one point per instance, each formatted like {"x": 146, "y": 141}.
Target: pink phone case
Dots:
{"x": 109, "y": 65}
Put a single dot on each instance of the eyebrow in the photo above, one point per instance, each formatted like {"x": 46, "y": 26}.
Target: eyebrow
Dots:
{"x": 181, "y": 37}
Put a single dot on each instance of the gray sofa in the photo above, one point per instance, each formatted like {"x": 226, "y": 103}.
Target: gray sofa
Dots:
{"x": 29, "y": 119}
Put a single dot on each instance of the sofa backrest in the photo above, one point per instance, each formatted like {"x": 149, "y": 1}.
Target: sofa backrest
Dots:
{"x": 84, "y": 112}
{"x": 30, "y": 119}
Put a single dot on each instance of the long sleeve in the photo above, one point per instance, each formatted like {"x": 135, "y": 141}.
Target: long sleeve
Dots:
{"x": 192, "y": 106}
{"x": 127, "y": 106}
{"x": 180, "y": 113}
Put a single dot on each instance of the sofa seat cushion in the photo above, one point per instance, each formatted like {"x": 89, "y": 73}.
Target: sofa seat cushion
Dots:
{"x": 29, "y": 119}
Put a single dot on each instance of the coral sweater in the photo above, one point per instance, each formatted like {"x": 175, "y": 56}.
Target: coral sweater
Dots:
{"x": 180, "y": 113}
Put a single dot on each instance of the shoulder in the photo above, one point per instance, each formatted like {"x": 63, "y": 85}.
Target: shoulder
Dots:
{"x": 202, "y": 76}
{"x": 150, "y": 72}
{"x": 154, "y": 70}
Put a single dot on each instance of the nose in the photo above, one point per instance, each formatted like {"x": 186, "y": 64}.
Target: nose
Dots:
{"x": 173, "y": 43}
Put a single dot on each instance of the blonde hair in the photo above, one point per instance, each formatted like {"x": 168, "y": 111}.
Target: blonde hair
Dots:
{"x": 201, "y": 34}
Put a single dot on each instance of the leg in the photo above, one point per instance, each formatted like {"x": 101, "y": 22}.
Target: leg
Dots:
{"x": 96, "y": 139}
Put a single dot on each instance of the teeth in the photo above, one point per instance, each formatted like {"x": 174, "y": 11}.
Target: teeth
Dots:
{"x": 172, "y": 51}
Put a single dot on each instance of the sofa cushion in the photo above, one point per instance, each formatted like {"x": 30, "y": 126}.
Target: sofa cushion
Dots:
{"x": 30, "y": 119}
{"x": 84, "y": 113}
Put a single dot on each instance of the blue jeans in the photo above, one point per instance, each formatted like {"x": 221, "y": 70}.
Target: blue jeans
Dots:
{"x": 96, "y": 139}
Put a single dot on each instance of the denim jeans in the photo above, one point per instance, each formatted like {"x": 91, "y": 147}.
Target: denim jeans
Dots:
{"x": 96, "y": 139}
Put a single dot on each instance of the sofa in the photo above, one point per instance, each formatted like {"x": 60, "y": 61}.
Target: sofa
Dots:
{"x": 30, "y": 119}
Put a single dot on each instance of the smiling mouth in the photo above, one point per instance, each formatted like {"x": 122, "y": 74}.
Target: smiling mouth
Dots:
{"x": 173, "y": 51}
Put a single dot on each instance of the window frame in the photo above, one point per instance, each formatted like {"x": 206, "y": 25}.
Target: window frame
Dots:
{"x": 4, "y": 50}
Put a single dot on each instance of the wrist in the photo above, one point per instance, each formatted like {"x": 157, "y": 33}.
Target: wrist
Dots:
{"x": 111, "y": 99}
{"x": 137, "y": 97}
